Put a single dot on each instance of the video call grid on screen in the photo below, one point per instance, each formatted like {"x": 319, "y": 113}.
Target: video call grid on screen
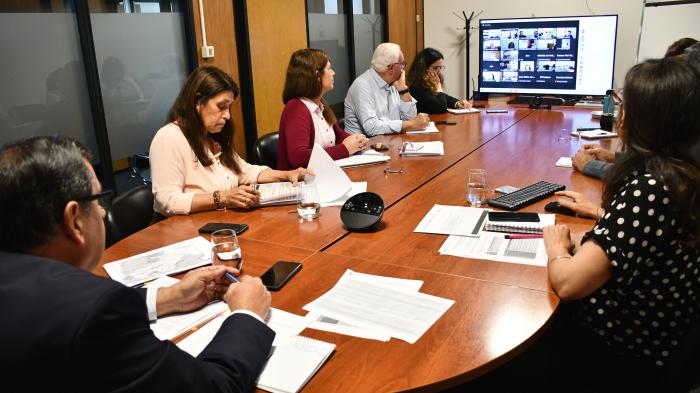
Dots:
{"x": 545, "y": 55}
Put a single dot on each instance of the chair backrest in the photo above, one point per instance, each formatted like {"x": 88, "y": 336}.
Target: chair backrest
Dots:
{"x": 129, "y": 213}
{"x": 140, "y": 165}
{"x": 265, "y": 150}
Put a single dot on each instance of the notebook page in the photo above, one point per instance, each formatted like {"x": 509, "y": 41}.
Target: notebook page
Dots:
{"x": 293, "y": 362}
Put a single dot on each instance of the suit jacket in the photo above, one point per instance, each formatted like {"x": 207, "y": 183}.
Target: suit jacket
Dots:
{"x": 67, "y": 330}
{"x": 297, "y": 135}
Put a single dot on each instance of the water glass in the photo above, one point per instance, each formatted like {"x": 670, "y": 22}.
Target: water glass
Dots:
{"x": 477, "y": 187}
{"x": 225, "y": 249}
{"x": 309, "y": 204}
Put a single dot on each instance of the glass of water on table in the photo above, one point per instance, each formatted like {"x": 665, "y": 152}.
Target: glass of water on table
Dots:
{"x": 225, "y": 249}
{"x": 309, "y": 205}
{"x": 477, "y": 187}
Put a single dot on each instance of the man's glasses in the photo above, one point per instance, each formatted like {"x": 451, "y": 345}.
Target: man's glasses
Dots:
{"x": 104, "y": 198}
{"x": 401, "y": 63}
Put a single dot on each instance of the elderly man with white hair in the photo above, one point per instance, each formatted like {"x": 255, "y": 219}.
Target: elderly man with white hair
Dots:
{"x": 378, "y": 101}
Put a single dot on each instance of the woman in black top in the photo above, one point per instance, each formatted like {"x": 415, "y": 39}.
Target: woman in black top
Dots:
{"x": 426, "y": 81}
{"x": 635, "y": 279}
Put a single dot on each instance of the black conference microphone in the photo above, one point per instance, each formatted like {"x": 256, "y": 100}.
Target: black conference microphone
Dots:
{"x": 362, "y": 211}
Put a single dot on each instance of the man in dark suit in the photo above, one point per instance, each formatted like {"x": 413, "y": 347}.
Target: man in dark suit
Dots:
{"x": 65, "y": 329}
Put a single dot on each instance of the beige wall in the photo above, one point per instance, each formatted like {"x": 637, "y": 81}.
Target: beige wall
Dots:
{"x": 277, "y": 28}
{"x": 445, "y": 32}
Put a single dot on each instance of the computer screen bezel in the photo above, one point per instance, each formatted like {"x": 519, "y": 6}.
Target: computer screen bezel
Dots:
{"x": 543, "y": 92}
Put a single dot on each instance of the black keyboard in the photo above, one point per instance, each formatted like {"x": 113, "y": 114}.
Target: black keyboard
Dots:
{"x": 526, "y": 195}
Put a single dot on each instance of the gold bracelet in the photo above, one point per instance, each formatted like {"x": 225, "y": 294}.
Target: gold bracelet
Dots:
{"x": 217, "y": 200}
{"x": 559, "y": 257}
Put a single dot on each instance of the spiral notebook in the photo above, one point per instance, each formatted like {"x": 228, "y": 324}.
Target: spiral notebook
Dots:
{"x": 521, "y": 227}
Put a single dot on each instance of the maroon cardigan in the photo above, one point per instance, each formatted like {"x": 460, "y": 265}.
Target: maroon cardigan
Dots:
{"x": 297, "y": 134}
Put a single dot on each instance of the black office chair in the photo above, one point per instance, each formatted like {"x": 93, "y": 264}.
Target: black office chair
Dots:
{"x": 341, "y": 123}
{"x": 140, "y": 165}
{"x": 129, "y": 213}
{"x": 265, "y": 150}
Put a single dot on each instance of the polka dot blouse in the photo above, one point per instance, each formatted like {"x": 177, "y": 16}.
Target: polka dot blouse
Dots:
{"x": 651, "y": 301}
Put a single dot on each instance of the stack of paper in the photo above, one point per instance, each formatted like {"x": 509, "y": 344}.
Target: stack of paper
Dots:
{"x": 435, "y": 148}
{"x": 463, "y": 111}
{"x": 163, "y": 261}
{"x": 365, "y": 158}
{"x": 564, "y": 162}
{"x": 357, "y": 187}
{"x": 280, "y": 193}
{"x": 430, "y": 129}
{"x": 593, "y": 134}
{"x": 380, "y": 308}
{"x": 293, "y": 361}
{"x": 495, "y": 247}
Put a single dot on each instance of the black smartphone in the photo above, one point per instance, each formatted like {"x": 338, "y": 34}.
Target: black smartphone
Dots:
{"x": 215, "y": 226}
{"x": 278, "y": 275}
{"x": 514, "y": 216}
{"x": 448, "y": 122}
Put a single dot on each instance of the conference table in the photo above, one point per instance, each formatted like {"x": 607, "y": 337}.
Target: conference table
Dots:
{"x": 500, "y": 308}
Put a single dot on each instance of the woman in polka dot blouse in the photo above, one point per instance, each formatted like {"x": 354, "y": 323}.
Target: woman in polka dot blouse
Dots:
{"x": 634, "y": 281}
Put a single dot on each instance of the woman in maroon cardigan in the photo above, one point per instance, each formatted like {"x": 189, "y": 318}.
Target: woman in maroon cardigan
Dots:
{"x": 307, "y": 118}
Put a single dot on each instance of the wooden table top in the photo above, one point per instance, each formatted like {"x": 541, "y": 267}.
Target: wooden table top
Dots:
{"x": 522, "y": 155}
{"x": 500, "y": 308}
{"x": 487, "y": 325}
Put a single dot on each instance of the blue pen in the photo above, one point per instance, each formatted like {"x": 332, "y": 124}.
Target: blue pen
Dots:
{"x": 231, "y": 277}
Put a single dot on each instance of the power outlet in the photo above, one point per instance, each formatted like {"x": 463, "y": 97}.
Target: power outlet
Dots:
{"x": 207, "y": 52}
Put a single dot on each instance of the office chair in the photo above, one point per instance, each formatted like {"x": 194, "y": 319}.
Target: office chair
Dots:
{"x": 341, "y": 123}
{"x": 140, "y": 165}
{"x": 265, "y": 150}
{"x": 129, "y": 213}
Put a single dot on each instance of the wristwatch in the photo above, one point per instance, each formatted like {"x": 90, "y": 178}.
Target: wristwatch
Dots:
{"x": 404, "y": 91}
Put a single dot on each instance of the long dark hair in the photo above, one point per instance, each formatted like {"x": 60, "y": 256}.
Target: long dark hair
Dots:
{"x": 661, "y": 123}
{"x": 418, "y": 73}
{"x": 204, "y": 83}
{"x": 304, "y": 73}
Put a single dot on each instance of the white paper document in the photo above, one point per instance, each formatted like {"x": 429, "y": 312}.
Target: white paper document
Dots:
{"x": 593, "y": 134}
{"x": 175, "y": 258}
{"x": 495, "y": 247}
{"x": 322, "y": 322}
{"x": 278, "y": 193}
{"x": 167, "y": 328}
{"x": 283, "y": 323}
{"x": 401, "y": 314}
{"x": 564, "y": 162}
{"x": 463, "y": 111}
{"x": 430, "y": 129}
{"x": 331, "y": 182}
{"x": 357, "y": 187}
{"x": 367, "y": 157}
{"x": 453, "y": 220}
{"x": 434, "y": 148}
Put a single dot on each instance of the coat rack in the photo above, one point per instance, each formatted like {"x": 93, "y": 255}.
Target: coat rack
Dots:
{"x": 467, "y": 29}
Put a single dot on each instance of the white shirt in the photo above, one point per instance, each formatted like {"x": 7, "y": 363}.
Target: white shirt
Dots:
{"x": 374, "y": 108}
{"x": 324, "y": 134}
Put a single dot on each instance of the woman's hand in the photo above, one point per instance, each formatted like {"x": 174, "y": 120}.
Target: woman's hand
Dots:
{"x": 298, "y": 174}
{"x": 557, "y": 241}
{"x": 464, "y": 104}
{"x": 580, "y": 204}
{"x": 242, "y": 197}
{"x": 355, "y": 143}
{"x": 434, "y": 76}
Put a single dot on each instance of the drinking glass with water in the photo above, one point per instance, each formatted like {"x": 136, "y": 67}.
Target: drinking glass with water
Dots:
{"x": 309, "y": 205}
{"x": 477, "y": 187}
{"x": 225, "y": 249}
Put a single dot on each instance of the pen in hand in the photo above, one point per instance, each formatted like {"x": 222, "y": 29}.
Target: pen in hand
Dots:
{"x": 231, "y": 277}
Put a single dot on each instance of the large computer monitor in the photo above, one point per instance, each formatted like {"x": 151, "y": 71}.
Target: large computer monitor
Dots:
{"x": 562, "y": 56}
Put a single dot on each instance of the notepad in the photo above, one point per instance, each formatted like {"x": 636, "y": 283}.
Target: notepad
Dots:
{"x": 564, "y": 162}
{"x": 430, "y": 129}
{"x": 519, "y": 227}
{"x": 366, "y": 158}
{"x": 435, "y": 148}
{"x": 463, "y": 111}
{"x": 593, "y": 134}
{"x": 280, "y": 193}
{"x": 293, "y": 362}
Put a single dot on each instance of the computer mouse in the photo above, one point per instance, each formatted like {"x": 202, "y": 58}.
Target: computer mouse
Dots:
{"x": 556, "y": 207}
